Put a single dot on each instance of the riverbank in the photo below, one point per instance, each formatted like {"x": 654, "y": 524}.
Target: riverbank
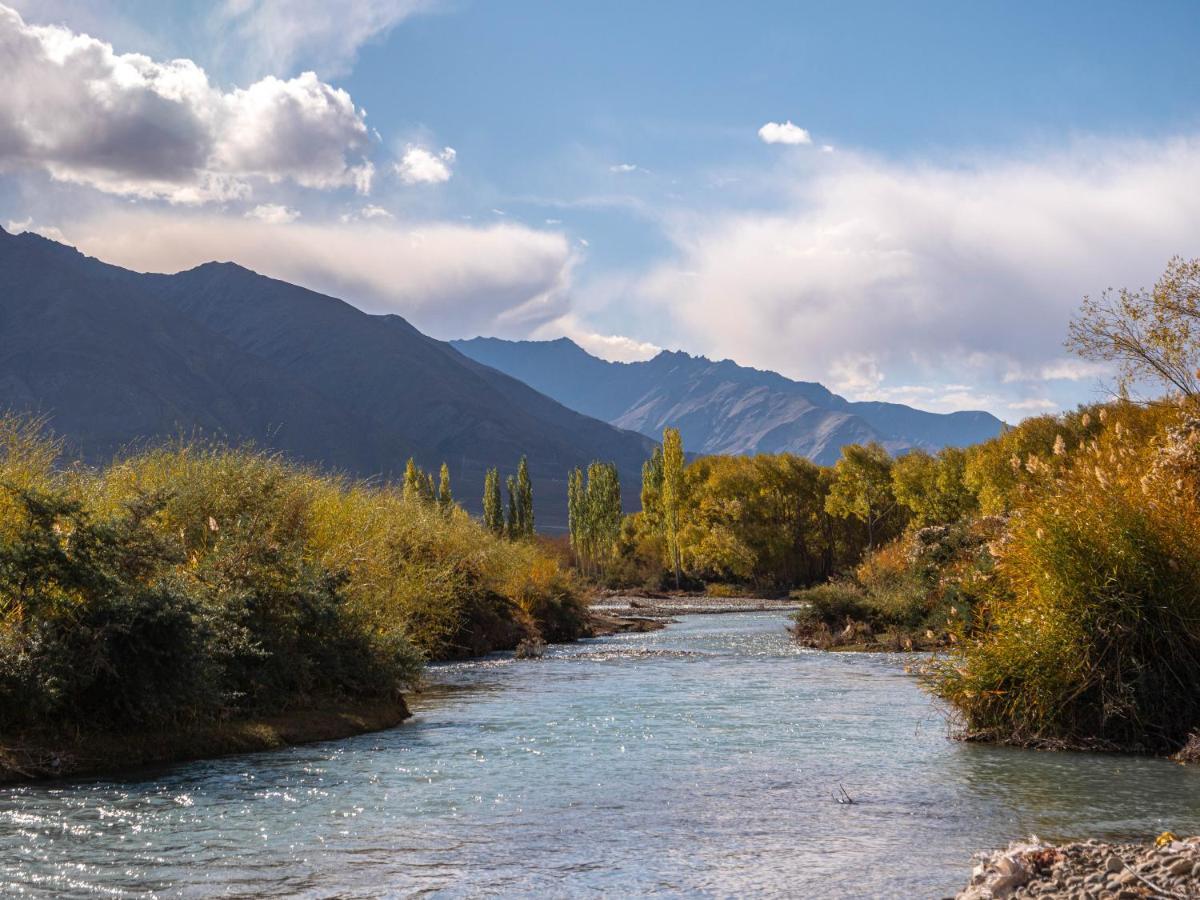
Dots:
{"x": 35, "y": 758}
{"x": 1168, "y": 868}
{"x": 667, "y": 606}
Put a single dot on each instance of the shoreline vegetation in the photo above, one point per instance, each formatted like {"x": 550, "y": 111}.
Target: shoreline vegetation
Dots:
{"x": 202, "y": 596}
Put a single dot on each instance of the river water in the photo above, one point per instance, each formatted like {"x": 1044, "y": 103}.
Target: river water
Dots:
{"x": 700, "y": 760}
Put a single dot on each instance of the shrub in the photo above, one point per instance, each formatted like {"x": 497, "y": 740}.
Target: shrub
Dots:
{"x": 194, "y": 581}
{"x": 1089, "y": 633}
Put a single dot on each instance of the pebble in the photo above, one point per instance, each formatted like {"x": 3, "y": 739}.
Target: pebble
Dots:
{"x": 1089, "y": 870}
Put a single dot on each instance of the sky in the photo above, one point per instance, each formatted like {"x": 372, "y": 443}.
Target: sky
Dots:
{"x": 903, "y": 201}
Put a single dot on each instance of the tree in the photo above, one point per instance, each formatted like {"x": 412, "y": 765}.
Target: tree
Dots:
{"x": 1149, "y": 334}
{"x": 862, "y": 487}
{"x": 414, "y": 482}
{"x": 652, "y": 480}
{"x": 672, "y": 496}
{"x": 445, "y": 495}
{"x": 512, "y": 524}
{"x": 524, "y": 500}
{"x": 934, "y": 489}
{"x": 576, "y": 511}
{"x": 493, "y": 503}
{"x": 603, "y": 511}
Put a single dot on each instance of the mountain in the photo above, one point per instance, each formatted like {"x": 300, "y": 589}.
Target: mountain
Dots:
{"x": 721, "y": 407}
{"x": 112, "y": 358}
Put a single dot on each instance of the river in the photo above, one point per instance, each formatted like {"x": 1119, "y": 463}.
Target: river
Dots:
{"x": 705, "y": 759}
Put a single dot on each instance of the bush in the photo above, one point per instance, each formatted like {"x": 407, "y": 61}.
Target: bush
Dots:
{"x": 1089, "y": 633}
{"x": 192, "y": 582}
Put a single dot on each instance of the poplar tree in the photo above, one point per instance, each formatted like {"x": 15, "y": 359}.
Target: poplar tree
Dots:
{"x": 445, "y": 496}
{"x": 513, "y": 523}
{"x": 493, "y": 503}
{"x": 672, "y": 496}
{"x": 524, "y": 500}
{"x": 413, "y": 482}
{"x": 652, "y": 480}
{"x": 429, "y": 491}
{"x": 603, "y": 515}
{"x": 575, "y": 510}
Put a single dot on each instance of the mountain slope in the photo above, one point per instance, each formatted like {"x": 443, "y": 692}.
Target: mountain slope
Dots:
{"x": 112, "y": 357}
{"x": 721, "y": 407}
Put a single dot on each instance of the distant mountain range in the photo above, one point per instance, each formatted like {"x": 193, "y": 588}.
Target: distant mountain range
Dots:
{"x": 721, "y": 407}
{"x": 112, "y": 357}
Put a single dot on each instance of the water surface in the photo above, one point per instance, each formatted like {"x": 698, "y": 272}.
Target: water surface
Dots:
{"x": 700, "y": 760}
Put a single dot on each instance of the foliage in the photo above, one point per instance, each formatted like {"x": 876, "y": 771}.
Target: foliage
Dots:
{"x": 192, "y": 582}
{"x": 671, "y": 497}
{"x": 1152, "y": 335}
{"x": 1089, "y": 634}
{"x": 493, "y": 504}
{"x": 594, "y": 513}
{"x": 862, "y": 489}
{"x": 933, "y": 488}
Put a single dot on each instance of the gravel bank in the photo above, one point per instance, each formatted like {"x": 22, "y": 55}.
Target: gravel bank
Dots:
{"x": 667, "y": 606}
{"x": 1091, "y": 870}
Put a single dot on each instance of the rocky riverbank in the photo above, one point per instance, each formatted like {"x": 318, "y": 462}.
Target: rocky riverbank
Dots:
{"x": 667, "y": 606}
{"x": 1091, "y": 870}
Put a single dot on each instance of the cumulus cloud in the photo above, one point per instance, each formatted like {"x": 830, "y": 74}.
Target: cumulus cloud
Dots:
{"x": 126, "y": 124}
{"x": 273, "y": 214}
{"x": 279, "y": 35}
{"x": 784, "y": 133}
{"x": 448, "y": 280}
{"x": 932, "y": 272}
{"x": 421, "y": 166}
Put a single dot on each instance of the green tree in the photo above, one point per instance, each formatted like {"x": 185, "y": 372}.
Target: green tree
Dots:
{"x": 862, "y": 488}
{"x": 512, "y": 523}
{"x": 652, "y": 481}
{"x": 603, "y": 512}
{"x": 414, "y": 481}
{"x": 524, "y": 500}
{"x": 576, "y": 510}
{"x": 445, "y": 495}
{"x": 672, "y": 497}
{"x": 493, "y": 503}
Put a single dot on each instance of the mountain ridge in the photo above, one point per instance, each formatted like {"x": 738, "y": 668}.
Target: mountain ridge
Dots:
{"x": 721, "y": 406}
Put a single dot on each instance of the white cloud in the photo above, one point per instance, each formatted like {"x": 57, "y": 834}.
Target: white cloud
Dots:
{"x": 964, "y": 271}
{"x": 126, "y": 124}
{"x": 421, "y": 166}
{"x": 375, "y": 212}
{"x": 449, "y": 280}
{"x": 282, "y": 35}
{"x": 273, "y": 214}
{"x": 47, "y": 231}
{"x": 615, "y": 347}
{"x": 621, "y": 168}
{"x": 784, "y": 133}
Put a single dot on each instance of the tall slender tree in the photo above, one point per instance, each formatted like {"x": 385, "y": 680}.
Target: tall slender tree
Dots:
{"x": 524, "y": 499}
{"x": 513, "y": 522}
{"x": 652, "y": 481}
{"x": 414, "y": 481}
{"x": 575, "y": 511}
{"x": 603, "y": 512}
{"x": 445, "y": 495}
{"x": 493, "y": 503}
{"x": 672, "y": 496}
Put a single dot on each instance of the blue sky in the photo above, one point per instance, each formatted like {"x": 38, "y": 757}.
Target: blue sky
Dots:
{"x": 956, "y": 176}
